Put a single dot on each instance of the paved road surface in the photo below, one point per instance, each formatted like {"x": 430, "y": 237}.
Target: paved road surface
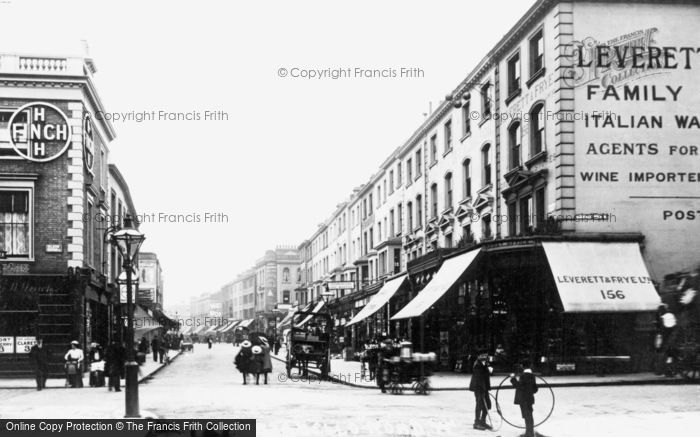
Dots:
{"x": 205, "y": 384}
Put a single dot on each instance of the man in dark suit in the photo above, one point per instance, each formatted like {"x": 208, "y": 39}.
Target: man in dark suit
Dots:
{"x": 39, "y": 355}
{"x": 525, "y": 389}
{"x": 115, "y": 357}
{"x": 155, "y": 347}
{"x": 480, "y": 384}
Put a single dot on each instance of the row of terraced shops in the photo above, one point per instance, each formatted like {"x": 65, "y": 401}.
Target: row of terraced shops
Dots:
{"x": 565, "y": 252}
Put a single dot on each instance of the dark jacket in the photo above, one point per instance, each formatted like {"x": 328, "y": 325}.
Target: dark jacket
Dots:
{"x": 155, "y": 344}
{"x": 95, "y": 354}
{"x": 525, "y": 389}
{"x": 115, "y": 357}
{"x": 143, "y": 345}
{"x": 243, "y": 360}
{"x": 39, "y": 357}
{"x": 481, "y": 380}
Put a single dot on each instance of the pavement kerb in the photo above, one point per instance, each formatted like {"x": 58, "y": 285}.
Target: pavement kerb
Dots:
{"x": 159, "y": 368}
{"x": 141, "y": 379}
{"x": 660, "y": 381}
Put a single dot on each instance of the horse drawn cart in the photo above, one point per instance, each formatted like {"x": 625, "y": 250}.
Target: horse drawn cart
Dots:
{"x": 309, "y": 341}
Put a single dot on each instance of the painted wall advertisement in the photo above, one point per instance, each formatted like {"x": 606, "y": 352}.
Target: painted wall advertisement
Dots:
{"x": 638, "y": 97}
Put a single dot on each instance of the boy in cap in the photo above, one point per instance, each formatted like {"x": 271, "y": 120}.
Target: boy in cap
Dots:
{"x": 525, "y": 389}
{"x": 480, "y": 384}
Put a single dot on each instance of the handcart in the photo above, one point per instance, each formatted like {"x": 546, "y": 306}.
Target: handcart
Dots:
{"x": 408, "y": 368}
{"x": 309, "y": 342}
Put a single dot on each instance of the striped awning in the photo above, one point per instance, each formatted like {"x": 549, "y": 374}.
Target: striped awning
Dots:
{"x": 230, "y": 326}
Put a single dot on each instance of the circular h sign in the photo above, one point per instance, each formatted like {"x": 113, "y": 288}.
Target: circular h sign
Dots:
{"x": 39, "y": 132}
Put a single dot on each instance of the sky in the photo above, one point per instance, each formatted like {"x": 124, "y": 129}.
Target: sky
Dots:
{"x": 292, "y": 148}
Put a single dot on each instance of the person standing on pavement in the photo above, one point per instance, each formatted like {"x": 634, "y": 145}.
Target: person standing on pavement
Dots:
{"x": 155, "y": 347}
{"x": 115, "y": 357}
{"x": 480, "y": 384}
{"x": 74, "y": 365}
{"x": 163, "y": 347}
{"x": 97, "y": 365}
{"x": 209, "y": 342}
{"x": 525, "y": 389}
{"x": 39, "y": 355}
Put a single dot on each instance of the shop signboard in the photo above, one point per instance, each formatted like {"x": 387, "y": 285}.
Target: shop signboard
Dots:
{"x": 7, "y": 345}
{"x": 24, "y": 344}
{"x": 39, "y": 132}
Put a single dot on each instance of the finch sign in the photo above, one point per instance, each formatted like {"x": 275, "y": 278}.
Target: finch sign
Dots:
{"x": 39, "y": 132}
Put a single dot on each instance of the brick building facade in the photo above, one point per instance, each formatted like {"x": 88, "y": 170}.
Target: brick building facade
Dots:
{"x": 57, "y": 272}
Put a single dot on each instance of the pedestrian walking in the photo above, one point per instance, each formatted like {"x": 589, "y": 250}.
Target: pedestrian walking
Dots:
{"x": 39, "y": 356}
{"x": 74, "y": 365}
{"x": 155, "y": 347}
{"x": 209, "y": 342}
{"x": 243, "y": 360}
{"x": 277, "y": 345}
{"x": 97, "y": 365}
{"x": 480, "y": 384}
{"x": 115, "y": 357}
{"x": 257, "y": 364}
{"x": 163, "y": 349}
{"x": 142, "y": 351}
{"x": 267, "y": 361}
{"x": 525, "y": 388}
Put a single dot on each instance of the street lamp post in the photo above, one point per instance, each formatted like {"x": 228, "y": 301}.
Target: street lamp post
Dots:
{"x": 128, "y": 241}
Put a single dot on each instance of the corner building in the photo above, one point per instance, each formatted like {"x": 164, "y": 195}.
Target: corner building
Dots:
{"x": 57, "y": 274}
{"x": 541, "y": 206}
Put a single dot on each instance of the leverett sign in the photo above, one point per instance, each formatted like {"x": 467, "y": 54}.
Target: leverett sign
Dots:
{"x": 39, "y": 132}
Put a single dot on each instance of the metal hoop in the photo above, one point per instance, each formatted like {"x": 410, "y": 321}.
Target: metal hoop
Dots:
{"x": 500, "y": 413}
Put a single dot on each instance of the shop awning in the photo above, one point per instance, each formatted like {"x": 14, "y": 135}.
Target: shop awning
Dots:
{"x": 601, "y": 277}
{"x": 316, "y": 309}
{"x": 199, "y": 329}
{"x": 143, "y": 322}
{"x": 230, "y": 326}
{"x": 245, "y": 323}
{"x": 444, "y": 279}
{"x": 287, "y": 320}
{"x": 379, "y": 300}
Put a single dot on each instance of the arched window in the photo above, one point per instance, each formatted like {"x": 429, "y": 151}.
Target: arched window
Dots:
{"x": 467, "y": 172}
{"x": 537, "y": 129}
{"x": 298, "y": 275}
{"x": 433, "y": 200}
{"x": 514, "y": 144}
{"x": 285, "y": 275}
{"x": 409, "y": 216}
{"x": 448, "y": 190}
{"x": 486, "y": 164}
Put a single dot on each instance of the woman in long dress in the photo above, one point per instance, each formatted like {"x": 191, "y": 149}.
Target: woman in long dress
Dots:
{"x": 243, "y": 360}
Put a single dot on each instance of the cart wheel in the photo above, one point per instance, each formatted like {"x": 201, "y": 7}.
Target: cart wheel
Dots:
{"x": 422, "y": 387}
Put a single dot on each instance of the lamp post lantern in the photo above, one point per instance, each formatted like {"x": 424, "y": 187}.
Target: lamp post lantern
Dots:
{"x": 128, "y": 241}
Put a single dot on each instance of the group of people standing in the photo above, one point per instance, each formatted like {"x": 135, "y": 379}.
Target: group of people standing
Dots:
{"x": 525, "y": 388}
{"x": 254, "y": 359}
{"x": 101, "y": 363}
